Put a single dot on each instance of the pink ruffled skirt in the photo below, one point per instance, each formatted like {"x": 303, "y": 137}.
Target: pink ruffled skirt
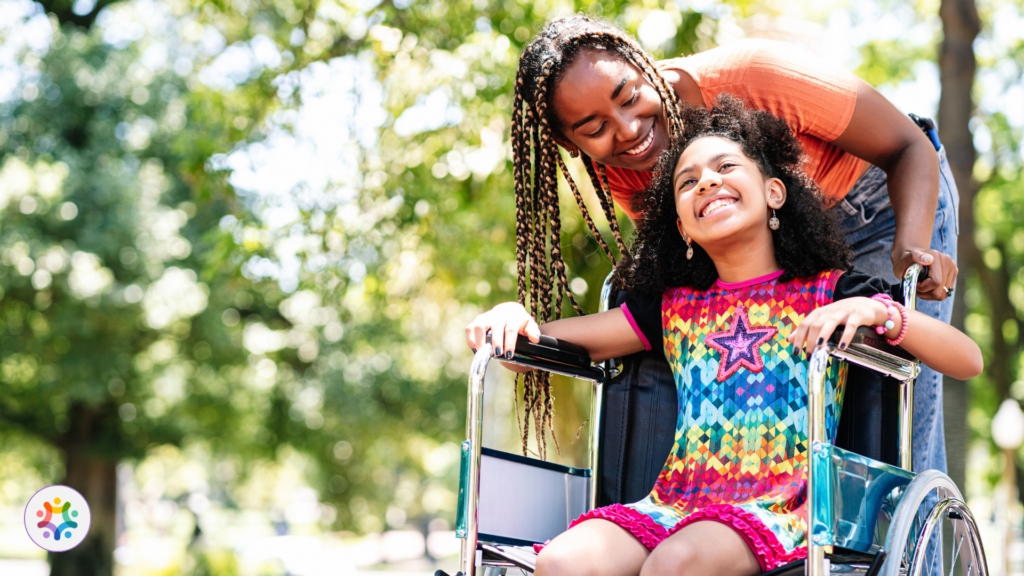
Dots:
{"x": 770, "y": 553}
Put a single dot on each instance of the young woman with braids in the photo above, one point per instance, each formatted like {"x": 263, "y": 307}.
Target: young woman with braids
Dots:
{"x": 739, "y": 270}
{"x": 588, "y": 88}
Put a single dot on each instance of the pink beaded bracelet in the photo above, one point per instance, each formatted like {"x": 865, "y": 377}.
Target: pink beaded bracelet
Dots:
{"x": 892, "y": 308}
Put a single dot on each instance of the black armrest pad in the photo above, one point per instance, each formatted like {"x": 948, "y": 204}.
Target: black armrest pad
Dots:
{"x": 554, "y": 350}
{"x": 553, "y": 355}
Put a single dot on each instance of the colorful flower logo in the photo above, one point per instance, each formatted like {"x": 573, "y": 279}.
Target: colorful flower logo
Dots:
{"x": 57, "y": 518}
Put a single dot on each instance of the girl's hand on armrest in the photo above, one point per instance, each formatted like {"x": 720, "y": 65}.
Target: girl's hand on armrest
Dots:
{"x": 605, "y": 335}
{"x": 818, "y": 326}
{"x": 506, "y": 322}
{"x": 937, "y": 344}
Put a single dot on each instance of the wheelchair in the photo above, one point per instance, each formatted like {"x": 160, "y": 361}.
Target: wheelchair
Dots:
{"x": 867, "y": 513}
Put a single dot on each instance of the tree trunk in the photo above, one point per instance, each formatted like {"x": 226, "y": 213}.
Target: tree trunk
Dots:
{"x": 961, "y": 25}
{"x": 96, "y": 479}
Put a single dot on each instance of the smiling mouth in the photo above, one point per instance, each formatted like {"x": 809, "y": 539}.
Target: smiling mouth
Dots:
{"x": 643, "y": 146}
{"x": 716, "y": 205}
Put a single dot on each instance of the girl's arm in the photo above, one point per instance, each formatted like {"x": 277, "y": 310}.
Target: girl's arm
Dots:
{"x": 937, "y": 344}
{"x": 605, "y": 335}
{"x": 879, "y": 133}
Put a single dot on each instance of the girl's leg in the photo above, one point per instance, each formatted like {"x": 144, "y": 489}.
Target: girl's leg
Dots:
{"x": 702, "y": 548}
{"x": 595, "y": 548}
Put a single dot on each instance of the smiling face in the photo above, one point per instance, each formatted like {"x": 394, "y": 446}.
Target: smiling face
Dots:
{"x": 610, "y": 111}
{"x": 722, "y": 198}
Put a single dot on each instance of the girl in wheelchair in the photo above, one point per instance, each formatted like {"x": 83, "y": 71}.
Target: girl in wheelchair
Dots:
{"x": 739, "y": 271}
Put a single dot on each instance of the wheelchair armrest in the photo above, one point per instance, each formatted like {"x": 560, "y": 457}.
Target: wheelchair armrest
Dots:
{"x": 871, "y": 350}
{"x": 866, "y": 337}
{"x": 555, "y": 349}
{"x": 558, "y": 356}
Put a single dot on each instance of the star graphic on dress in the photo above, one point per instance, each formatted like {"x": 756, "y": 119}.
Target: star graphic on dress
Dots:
{"x": 739, "y": 344}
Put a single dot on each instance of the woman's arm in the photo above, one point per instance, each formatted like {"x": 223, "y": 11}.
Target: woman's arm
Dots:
{"x": 605, "y": 335}
{"x": 820, "y": 99}
{"x": 937, "y": 344}
{"x": 879, "y": 133}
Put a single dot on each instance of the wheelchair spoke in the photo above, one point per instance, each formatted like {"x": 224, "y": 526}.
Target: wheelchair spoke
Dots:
{"x": 913, "y": 543}
{"x": 956, "y": 554}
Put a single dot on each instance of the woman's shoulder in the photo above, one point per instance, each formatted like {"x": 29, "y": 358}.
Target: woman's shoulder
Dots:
{"x": 737, "y": 55}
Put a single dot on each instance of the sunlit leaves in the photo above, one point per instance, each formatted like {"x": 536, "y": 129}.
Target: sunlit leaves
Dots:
{"x": 892, "y": 61}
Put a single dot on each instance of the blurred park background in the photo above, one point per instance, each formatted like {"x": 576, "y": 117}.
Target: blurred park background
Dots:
{"x": 240, "y": 239}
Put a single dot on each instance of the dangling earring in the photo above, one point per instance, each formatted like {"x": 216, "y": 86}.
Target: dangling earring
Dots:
{"x": 689, "y": 249}
{"x": 773, "y": 222}
{"x": 574, "y": 153}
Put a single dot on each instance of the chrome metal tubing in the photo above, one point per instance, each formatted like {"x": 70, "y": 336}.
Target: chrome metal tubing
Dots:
{"x": 474, "y": 431}
{"x": 906, "y": 422}
{"x": 866, "y": 355}
{"x": 596, "y": 404}
{"x": 816, "y": 438}
{"x": 595, "y": 441}
{"x": 910, "y": 286}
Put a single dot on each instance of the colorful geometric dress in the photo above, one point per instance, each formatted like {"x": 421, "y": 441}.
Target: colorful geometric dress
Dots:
{"x": 741, "y": 434}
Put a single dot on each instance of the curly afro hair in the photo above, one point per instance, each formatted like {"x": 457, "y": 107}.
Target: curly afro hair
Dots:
{"x": 809, "y": 240}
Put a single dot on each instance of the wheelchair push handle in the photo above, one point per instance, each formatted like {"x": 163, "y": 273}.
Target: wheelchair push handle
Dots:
{"x": 914, "y": 274}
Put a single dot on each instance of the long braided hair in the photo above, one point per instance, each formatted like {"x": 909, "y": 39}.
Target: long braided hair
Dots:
{"x": 537, "y": 160}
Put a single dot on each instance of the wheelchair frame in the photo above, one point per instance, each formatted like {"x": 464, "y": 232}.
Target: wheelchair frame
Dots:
{"x": 836, "y": 478}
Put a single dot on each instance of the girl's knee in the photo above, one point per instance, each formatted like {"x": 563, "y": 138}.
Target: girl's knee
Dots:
{"x": 678, "y": 559}
{"x": 556, "y": 560}
{"x": 594, "y": 547}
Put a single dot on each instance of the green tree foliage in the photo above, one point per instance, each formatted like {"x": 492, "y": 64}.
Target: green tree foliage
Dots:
{"x": 995, "y": 296}
{"x": 146, "y": 303}
{"x": 115, "y": 330}
{"x": 260, "y": 226}
{"x": 422, "y": 246}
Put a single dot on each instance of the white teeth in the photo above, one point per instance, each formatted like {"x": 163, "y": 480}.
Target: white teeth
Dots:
{"x": 643, "y": 145}
{"x": 716, "y": 206}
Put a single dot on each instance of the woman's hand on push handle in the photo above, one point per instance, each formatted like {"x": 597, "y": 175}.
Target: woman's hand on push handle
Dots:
{"x": 506, "y": 322}
{"x": 942, "y": 271}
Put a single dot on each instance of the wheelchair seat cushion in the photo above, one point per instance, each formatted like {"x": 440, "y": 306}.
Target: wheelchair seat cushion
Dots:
{"x": 740, "y": 444}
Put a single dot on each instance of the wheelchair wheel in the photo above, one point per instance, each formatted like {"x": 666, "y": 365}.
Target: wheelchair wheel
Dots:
{"x": 909, "y": 532}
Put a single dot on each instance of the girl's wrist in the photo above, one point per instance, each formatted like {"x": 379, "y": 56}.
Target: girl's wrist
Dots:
{"x": 879, "y": 313}
{"x": 894, "y": 332}
{"x": 894, "y": 327}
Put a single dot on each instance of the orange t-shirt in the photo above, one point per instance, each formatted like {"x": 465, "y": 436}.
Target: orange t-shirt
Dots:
{"x": 816, "y": 100}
